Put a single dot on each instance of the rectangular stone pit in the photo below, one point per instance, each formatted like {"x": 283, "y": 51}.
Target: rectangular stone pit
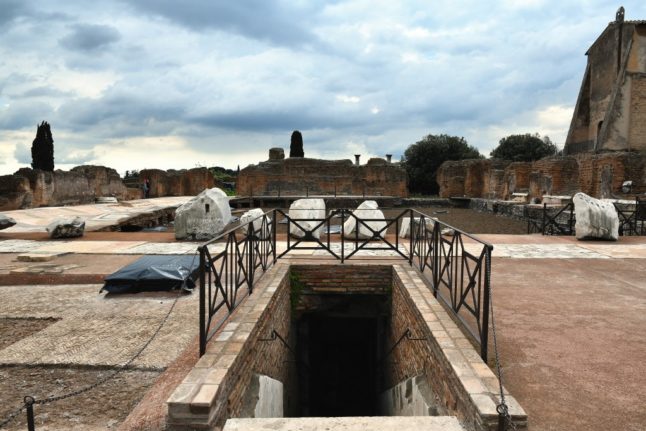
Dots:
{"x": 436, "y": 360}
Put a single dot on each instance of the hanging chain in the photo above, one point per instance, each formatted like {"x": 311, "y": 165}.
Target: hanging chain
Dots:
{"x": 501, "y": 408}
{"x": 11, "y": 416}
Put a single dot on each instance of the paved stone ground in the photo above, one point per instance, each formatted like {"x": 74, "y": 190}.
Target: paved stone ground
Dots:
{"x": 97, "y": 329}
{"x": 96, "y": 216}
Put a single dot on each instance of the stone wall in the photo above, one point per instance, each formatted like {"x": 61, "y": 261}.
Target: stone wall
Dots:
{"x": 298, "y": 176}
{"x": 598, "y": 175}
{"x": 184, "y": 182}
{"x": 473, "y": 177}
{"x": 31, "y": 188}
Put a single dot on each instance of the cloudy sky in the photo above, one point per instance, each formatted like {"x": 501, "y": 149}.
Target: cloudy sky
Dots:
{"x": 138, "y": 84}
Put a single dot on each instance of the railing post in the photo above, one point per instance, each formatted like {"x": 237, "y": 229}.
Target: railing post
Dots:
{"x": 202, "y": 301}
{"x": 273, "y": 233}
{"x": 251, "y": 267}
{"x": 410, "y": 236}
{"x": 544, "y": 215}
{"x": 484, "y": 337}
{"x": 436, "y": 256}
{"x": 29, "y": 404}
{"x": 342, "y": 235}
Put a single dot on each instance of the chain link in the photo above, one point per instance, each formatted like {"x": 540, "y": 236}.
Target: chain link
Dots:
{"x": 501, "y": 408}
{"x": 101, "y": 381}
{"x": 11, "y": 416}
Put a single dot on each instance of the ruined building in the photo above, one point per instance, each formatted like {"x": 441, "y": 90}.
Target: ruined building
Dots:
{"x": 610, "y": 112}
{"x": 300, "y": 176}
{"x": 606, "y": 143}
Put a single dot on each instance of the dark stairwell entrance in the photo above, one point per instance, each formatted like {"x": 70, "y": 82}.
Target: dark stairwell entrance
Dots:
{"x": 341, "y": 351}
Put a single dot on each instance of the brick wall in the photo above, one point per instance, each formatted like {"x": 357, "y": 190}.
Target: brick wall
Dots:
{"x": 637, "y": 132}
{"x": 462, "y": 382}
{"x": 215, "y": 389}
{"x": 362, "y": 279}
{"x": 296, "y": 176}
{"x": 260, "y": 357}
{"x": 599, "y": 175}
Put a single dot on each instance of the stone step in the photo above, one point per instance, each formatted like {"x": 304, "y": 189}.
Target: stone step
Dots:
{"x": 376, "y": 423}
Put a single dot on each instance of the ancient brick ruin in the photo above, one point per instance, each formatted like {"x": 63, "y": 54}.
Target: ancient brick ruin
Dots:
{"x": 610, "y": 112}
{"x": 183, "y": 182}
{"x": 599, "y": 175}
{"x": 298, "y": 176}
{"x": 32, "y": 188}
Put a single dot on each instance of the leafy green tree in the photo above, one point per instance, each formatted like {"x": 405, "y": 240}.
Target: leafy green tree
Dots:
{"x": 524, "y": 148}
{"x": 296, "y": 145}
{"x": 423, "y": 158}
{"x": 42, "y": 149}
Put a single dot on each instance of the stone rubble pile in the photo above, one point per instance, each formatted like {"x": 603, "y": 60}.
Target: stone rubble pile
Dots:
{"x": 70, "y": 227}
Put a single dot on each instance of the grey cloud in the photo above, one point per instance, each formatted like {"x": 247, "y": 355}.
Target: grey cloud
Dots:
{"x": 22, "y": 153}
{"x": 90, "y": 37}
{"x": 255, "y": 19}
{"x": 10, "y": 10}
{"x": 22, "y": 113}
{"x": 45, "y": 92}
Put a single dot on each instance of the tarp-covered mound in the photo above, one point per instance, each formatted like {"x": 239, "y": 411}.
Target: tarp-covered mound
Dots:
{"x": 151, "y": 273}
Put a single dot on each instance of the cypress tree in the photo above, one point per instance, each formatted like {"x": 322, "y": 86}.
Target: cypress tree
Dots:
{"x": 42, "y": 149}
{"x": 296, "y": 146}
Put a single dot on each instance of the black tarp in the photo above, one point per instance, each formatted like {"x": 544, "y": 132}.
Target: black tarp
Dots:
{"x": 151, "y": 273}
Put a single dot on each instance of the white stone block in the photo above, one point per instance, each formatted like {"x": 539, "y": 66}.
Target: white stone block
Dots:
{"x": 595, "y": 219}
{"x": 313, "y": 209}
{"x": 368, "y": 210}
{"x": 204, "y": 216}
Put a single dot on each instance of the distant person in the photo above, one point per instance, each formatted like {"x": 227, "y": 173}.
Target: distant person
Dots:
{"x": 145, "y": 188}
{"x": 149, "y": 188}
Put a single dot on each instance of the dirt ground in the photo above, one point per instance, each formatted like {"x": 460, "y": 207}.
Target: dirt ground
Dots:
{"x": 99, "y": 409}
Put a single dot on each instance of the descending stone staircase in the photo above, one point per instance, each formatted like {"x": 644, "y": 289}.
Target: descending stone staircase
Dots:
{"x": 407, "y": 423}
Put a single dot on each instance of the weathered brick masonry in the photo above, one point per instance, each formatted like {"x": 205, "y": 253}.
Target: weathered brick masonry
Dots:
{"x": 215, "y": 389}
{"x": 298, "y": 176}
{"x": 598, "y": 175}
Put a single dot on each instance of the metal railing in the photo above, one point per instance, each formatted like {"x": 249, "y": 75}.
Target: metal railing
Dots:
{"x": 562, "y": 220}
{"x": 553, "y": 221}
{"x": 456, "y": 264}
{"x": 632, "y": 219}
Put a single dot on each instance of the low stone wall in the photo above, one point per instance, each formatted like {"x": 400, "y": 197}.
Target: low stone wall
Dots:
{"x": 298, "y": 176}
{"x": 32, "y": 188}
{"x": 598, "y": 175}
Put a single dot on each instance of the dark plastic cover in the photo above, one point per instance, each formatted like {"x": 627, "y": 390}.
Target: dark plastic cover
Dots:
{"x": 152, "y": 273}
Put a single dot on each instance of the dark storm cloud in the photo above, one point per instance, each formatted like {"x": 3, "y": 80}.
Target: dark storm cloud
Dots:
{"x": 264, "y": 121}
{"x": 90, "y": 37}
{"x": 256, "y": 19}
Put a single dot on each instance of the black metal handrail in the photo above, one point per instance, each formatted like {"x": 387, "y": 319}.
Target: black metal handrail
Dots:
{"x": 456, "y": 263}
